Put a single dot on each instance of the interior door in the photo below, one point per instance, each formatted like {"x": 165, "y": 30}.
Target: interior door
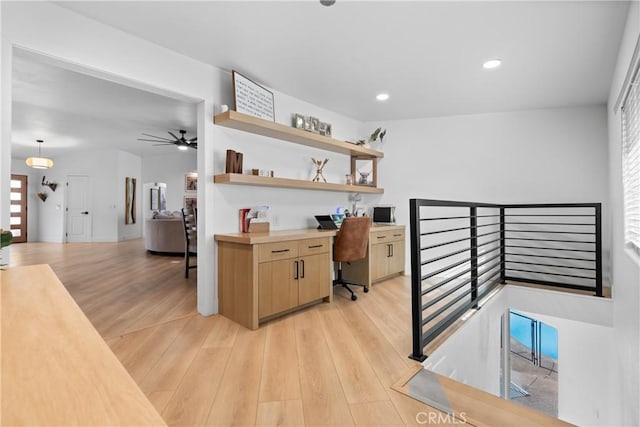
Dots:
{"x": 19, "y": 208}
{"x": 78, "y": 213}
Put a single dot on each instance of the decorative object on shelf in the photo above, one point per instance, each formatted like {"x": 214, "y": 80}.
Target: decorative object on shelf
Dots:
{"x": 365, "y": 170}
{"x": 251, "y": 98}
{"x": 182, "y": 142}
{"x": 190, "y": 202}
{"x": 325, "y": 129}
{"x": 348, "y": 179}
{"x": 319, "y": 164}
{"x": 39, "y": 162}
{"x": 234, "y": 162}
{"x": 315, "y": 124}
{"x": 364, "y": 178}
{"x": 130, "y": 201}
{"x": 377, "y": 134}
{"x": 311, "y": 124}
{"x": 51, "y": 185}
{"x": 42, "y": 196}
{"x": 191, "y": 182}
{"x": 298, "y": 121}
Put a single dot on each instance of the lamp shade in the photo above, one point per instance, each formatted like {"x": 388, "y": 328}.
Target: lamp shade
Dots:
{"x": 39, "y": 162}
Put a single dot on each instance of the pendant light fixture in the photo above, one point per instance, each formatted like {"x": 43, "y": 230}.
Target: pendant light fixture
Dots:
{"x": 39, "y": 162}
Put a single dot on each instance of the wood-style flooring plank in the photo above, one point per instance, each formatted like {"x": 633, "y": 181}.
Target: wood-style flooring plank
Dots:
{"x": 223, "y": 333}
{"x": 280, "y": 373}
{"x": 284, "y": 413}
{"x": 359, "y": 381}
{"x": 323, "y": 397}
{"x": 167, "y": 373}
{"x": 191, "y": 403}
{"x": 236, "y": 402}
{"x": 376, "y": 414}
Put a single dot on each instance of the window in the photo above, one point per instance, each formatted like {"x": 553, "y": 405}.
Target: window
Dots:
{"x": 631, "y": 162}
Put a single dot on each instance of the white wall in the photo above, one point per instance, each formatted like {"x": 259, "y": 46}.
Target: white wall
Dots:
{"x": 128, "y": 165}
{"x": 537, "y": 156}
{"x": 472, "y": 354}
{"x": 170, "y": 169}
{"x": 625, "y": 370}
{"x": 582, "y": 389}
{"x": 34, "y": 179}
{"x": 290, "y": 208}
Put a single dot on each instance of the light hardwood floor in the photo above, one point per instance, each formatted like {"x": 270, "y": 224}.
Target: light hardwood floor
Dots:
{"x": 330, "y": 364}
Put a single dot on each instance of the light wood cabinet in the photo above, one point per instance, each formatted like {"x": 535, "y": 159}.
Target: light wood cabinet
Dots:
{"x": 262, "y": 278}
{"x": 385, "y": 257}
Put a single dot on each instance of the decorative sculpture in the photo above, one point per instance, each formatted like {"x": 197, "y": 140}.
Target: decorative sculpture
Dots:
{"x": 319, "y": 164}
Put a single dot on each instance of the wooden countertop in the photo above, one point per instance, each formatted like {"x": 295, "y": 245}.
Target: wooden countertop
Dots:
{"x": 286, "y": 235}
{"x": 56, "y": 369}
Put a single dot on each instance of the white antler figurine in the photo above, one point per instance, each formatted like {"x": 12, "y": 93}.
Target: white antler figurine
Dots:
{"x": 319, "y": 164}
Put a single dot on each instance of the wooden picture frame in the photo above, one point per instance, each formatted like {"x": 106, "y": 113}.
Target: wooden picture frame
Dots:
{"x": 367, "y": 165}
{"x": 154, "y": 203}
{"x": 190, "y": 202}
{"x": 252, "y": 98}
{"x": 298, "y": 121}
{"x": 130, "y": 201}
{"x": 191, "y": 182}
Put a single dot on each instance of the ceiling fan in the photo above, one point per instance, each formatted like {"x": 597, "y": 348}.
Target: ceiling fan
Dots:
{"x": 182, "y": 143}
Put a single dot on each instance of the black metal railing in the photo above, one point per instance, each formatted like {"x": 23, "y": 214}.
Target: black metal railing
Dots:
{"x": 461, "y": 251}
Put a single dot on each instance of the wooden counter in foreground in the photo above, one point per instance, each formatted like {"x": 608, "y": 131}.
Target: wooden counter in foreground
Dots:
{"x": 56, "y": 369}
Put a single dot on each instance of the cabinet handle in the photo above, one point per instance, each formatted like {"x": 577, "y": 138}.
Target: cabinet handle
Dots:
{"x": 302, "y": 264}
{"x": 315, "y": 246}
{"x": 391, "y": 247}
{"x": 280, "y": 251}
{"x": 397, "y": 235}
{"x": 381, "y": 237}
{"x": 296, "y": 274}
{"x": 388, "y": 251}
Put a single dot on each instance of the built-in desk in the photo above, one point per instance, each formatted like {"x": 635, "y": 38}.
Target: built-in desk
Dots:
{"x": 56, "y": 369}
{"x": 264, "y": 275}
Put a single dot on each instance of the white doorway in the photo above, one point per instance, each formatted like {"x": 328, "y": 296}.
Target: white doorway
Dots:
{"x": 78, "y": 209}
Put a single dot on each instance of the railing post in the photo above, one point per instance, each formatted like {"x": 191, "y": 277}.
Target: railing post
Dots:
{"x": 598, "y": 209}
{"x": 502, "y": 247}
{"x": 416, "y": 282}
{"x": 473, "y": 242}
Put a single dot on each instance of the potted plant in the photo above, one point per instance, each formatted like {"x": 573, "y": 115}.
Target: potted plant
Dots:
{"x": 377, "y": 134}
{"x": 5, "y": 240}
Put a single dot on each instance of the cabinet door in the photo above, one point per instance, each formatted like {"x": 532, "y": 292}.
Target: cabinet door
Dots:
{"x": 315, "y": 279}
{"x": 277, "y": 286}
{"x": 396, "y": 261}
{"x": 379, "y": 260}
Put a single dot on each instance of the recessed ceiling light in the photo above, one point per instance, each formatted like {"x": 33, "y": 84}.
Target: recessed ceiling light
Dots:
{"x": 382, "y": 96}
{"x": 327, "y": 2}
{"x": 492, "y": 63}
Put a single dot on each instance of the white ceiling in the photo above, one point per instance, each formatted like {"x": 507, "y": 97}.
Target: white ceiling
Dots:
{"x": 74, "y": 111}
{"x": 427, "y": 55}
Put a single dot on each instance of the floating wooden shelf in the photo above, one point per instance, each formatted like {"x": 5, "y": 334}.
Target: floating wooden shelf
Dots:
{"x": 265, "y": 181}
{"x": 244, "y": 122}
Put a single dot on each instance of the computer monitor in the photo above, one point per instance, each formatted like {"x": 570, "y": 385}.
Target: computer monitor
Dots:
{"x": 326, "y": 222}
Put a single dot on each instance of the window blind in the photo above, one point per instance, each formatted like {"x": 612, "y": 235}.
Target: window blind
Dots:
{"x": 631, "y": 163}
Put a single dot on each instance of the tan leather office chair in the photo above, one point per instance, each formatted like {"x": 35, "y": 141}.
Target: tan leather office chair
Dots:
{"x": 190, "y": 220}
{"x": 350, "y": 245}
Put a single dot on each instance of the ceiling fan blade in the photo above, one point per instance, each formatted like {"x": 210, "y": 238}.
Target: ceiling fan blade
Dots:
{"x": 160, "y": 145}
{"x": 157, "y": 137}
{"x": 155, "y": 140}
{"x": 174, "y": 135}
{"x": 193, "y": 139}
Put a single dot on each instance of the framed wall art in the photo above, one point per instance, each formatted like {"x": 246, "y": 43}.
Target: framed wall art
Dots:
{"x": 252, "y": 99}
{"x": 191, "y": 182}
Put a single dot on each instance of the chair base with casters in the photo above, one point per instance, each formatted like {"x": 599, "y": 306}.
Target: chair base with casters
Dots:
{"x": 340, "y": 281}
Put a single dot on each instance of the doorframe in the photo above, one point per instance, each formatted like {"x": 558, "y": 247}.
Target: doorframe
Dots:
{"x": 207, "y": 286}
